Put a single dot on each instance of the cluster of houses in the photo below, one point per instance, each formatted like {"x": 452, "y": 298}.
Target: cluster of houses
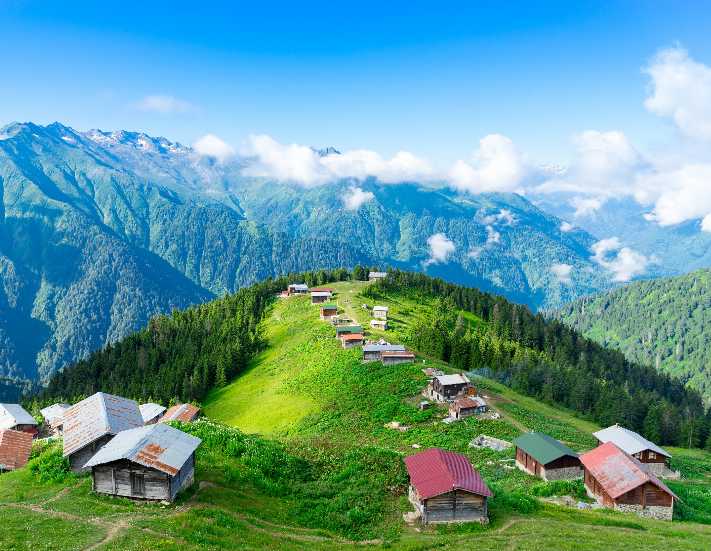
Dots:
{"x": 457, "y": 391}
{"x": 623, "y": 472}
{"x": 129, "y": 449}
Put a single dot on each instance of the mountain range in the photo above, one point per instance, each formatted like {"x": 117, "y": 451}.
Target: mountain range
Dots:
{"x": 100, "y": 230}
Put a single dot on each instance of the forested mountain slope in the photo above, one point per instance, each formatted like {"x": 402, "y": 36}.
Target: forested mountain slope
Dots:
{"x": 665, "y": 323}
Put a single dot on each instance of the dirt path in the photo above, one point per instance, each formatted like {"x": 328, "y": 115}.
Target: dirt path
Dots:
{"x": 494, "y": 400}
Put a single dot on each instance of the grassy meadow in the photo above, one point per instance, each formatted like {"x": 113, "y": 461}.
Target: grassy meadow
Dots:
{"x": 296, "y": 454}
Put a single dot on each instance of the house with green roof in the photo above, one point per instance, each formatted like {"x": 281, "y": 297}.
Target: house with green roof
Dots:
{"x": 328, "y": 311}
{"x": 547, "y": 458}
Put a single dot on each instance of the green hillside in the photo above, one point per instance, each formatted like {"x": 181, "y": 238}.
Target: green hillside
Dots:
{"x": 665, "y": 323}
{"x": 325, "y": 472}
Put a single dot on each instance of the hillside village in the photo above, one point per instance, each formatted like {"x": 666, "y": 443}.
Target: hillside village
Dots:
{"x": 135, "y": 451}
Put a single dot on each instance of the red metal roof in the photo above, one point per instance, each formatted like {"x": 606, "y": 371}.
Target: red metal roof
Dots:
{"x": 181, "y": 412}
{"x": 352, "y": 337}
{"x": 322, "y": 290}
{"x": 618, "y": 472}
{"x": 15, "y": 448}
{"x": 435, "y": 472}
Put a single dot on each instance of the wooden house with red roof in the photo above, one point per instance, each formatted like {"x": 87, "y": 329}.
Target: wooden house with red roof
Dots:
{"x": 351, "y": 340}
{"x": 619, "y": 481}
{"x": 15, "y": 448}
{"x": 445, "y": 487}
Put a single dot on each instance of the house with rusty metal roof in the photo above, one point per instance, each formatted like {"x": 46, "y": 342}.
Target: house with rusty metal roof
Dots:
{"x": 151, "y": 412}
{"x": 185, "y": 413}
{"x": 91, "y": 423}
{"x": 54, "y": 417}
{"x": 545, "y": 457}
{"x": 154, "y": 462}
{"x": 655, "y": 457}
{"x": 619, "y": 481}
{"x": 15, "y": 448}
{"x": 15, "y": 417}
{"x": 445, "y": 487}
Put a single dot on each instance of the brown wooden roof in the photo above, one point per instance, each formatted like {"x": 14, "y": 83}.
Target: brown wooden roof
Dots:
{"x": 15, "y": 448}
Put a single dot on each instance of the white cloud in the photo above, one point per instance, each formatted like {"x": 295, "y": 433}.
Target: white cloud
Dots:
{"x": 496, "y": 166}
{"x": 624, "y": 263}
{"x": 585, "y": 206}
{"x": 566, "y": 227}
{"x": 684, "y": 194}
{"x": 681, "y": 90}
{"x": 441, "y": 247}
{"x": 212, "y": 146}
{"x": 504, "y": 216}
{"x": 163, "y": 104}
{"x": 562, "y": 273}
{"x": 475, "y": 252}
{"x": 302, "y": 165}
{"x": 356, "y": 197}
{"x": 492, "y": 237}
{"x": 706, "y": 223}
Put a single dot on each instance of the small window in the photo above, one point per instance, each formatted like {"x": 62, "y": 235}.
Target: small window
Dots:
{"x": 652, "y": 455}
{"x": 138, "y": 484}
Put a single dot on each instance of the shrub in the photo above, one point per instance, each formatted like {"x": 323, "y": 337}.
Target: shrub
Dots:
{"x": 49, "y": 465}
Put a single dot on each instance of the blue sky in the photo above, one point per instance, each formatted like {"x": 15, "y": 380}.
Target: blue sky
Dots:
{"x": 432, "y": 78}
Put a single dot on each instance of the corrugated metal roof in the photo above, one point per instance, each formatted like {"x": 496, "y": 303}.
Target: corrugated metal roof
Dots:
{"x": 348, "y": 329}
{"x": 52, "y": 414}
{"x": 150, "y": 411}
{"x": 15, "y": 448}
{"x": 380, "y": 308}
{"x": 456, "y": 379}
{"x": 627, "y": 440}
{"x": 329, "y": 307}
{"x": 181, "y": 412}
{"x": 377, "y": 274}
{"x": 299, "y": 287}
{"x": 383, "y": 348}
{"x": 542, "y": 447}
{"x": 618, "y": 472}
{"x": 397, "y": 354}
{"x": 158, "y": 446}
{"x": 434, "y": 472}
{"x": 14, "y": 414}
{"x": 322, "y": 290}
{"x": 352, "y": 337}
{"x": 320, "y": 293}
{"x": 470, "y": 402}
{"x": 97, "y": 416}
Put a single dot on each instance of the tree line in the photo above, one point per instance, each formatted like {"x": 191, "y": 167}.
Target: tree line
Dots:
{"x": 549, "y": 361}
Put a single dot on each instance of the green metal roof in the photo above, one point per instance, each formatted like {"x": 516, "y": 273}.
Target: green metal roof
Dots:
{"x": 349, "y": 329}
{"x": 329, "y": 306}
{"x": 542, "y": 447}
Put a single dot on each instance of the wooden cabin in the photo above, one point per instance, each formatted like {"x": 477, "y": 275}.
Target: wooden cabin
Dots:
{"x": 380, "y": 312}
{"x": 297, "y": 289}
{"x": 372, "y": 352}
{"x": 351, "y": 340}
{"x": 185, "y": 413}
{"x": 395, "y": 357}
{"x": 462, "y": 408}
{"x": 91, "y": 423}
{"x": 445, "y": 388}
{"x": 547, "y": 458}
{"x": 154, "y": 462}
{"x": 375, "y": 276}
{"x": 328, "y": 311}
{"x": 15, "y": 417}
{"x": 348, "y": 329}
{"x": 445, "y": 487}
{"x": 636, "y": 445}
{"x": 619, "y": 481}
{"x": 15, "y": 449}
{"x": 319, "y": 297}
{"x": 54, "y": 418}
{"x": 151, "y": 413}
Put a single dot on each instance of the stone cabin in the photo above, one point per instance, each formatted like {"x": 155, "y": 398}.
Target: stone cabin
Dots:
{"x": 446, "y": 388}
{"x": 445, "y": 487}
{"x": 151, "y": 413}
{"x": 15, "y": 448}
{"x": 636, "y": 445}
{"x": 619, "y": 481}
{"x": 547, "y": 458}
{"x": 154, "y": 462}
{"x": 462, "y": 408}
{"x": 91, "y": 423}
{"x": 15, "y": 417}
{"x": 54, "y": 418}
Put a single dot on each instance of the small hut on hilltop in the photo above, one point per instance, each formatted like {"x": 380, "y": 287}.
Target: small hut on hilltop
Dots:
{"x": 462, "y": 408}
{"x": 445, "y": 388}
{"x": 328, "y": 311}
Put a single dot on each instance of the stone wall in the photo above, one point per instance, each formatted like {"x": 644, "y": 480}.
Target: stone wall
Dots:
{"x": 565, "y": 473}
{"x": 656, "y": 512}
